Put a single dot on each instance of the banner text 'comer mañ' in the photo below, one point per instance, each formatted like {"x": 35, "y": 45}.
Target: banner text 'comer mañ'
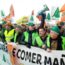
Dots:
{"x": 37, "y": 58}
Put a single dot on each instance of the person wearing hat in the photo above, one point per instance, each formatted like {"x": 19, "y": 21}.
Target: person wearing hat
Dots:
{"x": 17, "y": 34}
{"x": 9, "y": 32}
{"x": 29, "y": 35}
{"x": 54, "y": 40}
{"x": 41, "y": 38}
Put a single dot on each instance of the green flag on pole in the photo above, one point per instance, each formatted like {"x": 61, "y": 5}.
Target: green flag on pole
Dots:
{"x": 31, "y": 18}
{"x": 56, "y": 13}
{"x": 2, "y": 13}
{"x": 45, "y": 8}
{"x": 48, "y": 16}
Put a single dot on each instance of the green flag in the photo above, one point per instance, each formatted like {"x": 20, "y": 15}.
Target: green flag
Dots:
{"x": 45, "y": 8}
{"x": 56, "y": 13}
{"x": 48, "y": 16}
{"x": 31, "y": 18}
{"x": 2, "y": 13}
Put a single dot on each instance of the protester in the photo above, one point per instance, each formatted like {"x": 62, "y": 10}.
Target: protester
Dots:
{"x": 54, "y": 40}
{"x": 29, "y": 36}
{"x": 41, "y": 39}
{"x": 18, "y": 34}
{"x": 9, "y": 32}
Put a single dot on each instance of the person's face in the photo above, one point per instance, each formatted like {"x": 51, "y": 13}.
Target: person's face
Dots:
{"x": 7, "y": 27}
{"x": 39, "y": 17}
{"x": 17, "y": 29}
{"x": 53, "y": 35}
{"x": 31, "y": 28}
{"x": 41, "y": 32}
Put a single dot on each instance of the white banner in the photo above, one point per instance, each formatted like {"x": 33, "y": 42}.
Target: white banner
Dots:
{"x": 37, "y": 56}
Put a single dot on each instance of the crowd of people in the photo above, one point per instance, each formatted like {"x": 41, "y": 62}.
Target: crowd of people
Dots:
{"x": 52, "y": 38}
{"x": 31, "y": 34}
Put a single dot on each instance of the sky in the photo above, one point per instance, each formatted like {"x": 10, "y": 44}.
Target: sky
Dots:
{"x": 24, "y": 7}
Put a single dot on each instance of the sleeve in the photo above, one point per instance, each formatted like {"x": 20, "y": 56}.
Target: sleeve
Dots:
{"x": 22, "y": 39}
{"x": 3, "y": 37}
{"x": 46, "y": 45}
{"x": 36, "y": 44}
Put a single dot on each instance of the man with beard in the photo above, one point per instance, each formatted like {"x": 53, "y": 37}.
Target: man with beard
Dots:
{"x": 41, "y": 39}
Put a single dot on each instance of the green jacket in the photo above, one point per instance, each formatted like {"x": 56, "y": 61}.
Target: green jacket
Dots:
{"x": 63, "y": 40}
{"x": 39, "y": 41}
{"x": 26, "y": 35}
{"x": 9, "y": 35}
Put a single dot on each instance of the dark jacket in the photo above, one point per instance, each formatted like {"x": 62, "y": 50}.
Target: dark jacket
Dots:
{"x": 18, "y": 37}
{"x": 42, "y": 40}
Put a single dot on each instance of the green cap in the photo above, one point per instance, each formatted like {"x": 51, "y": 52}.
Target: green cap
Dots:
{"x": 55, "y": 29}
{"x": 30, "y": 24}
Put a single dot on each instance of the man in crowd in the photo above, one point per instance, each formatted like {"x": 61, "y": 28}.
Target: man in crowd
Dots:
{"x": 17, "y": 34}
{"x": 29, "y": 36}
{"x": 41, "y": 39}
{"x": 54, "y": 40}
{"x": 9, "y": 32}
